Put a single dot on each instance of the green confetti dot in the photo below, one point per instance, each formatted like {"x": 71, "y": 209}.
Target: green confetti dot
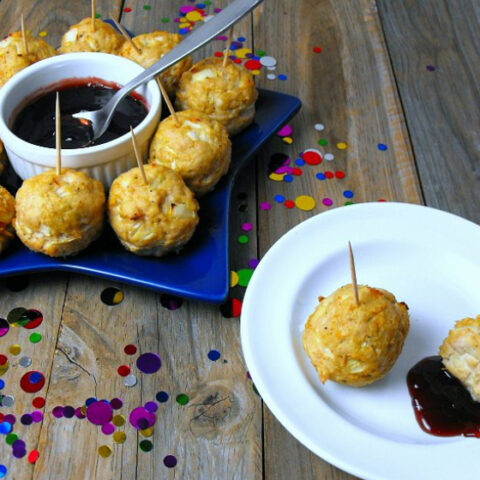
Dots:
{"x": 165, "y": 20}
{"x": 243, "y": 239}
{"x": 35, "y": 337}
{"x": 349, "y": 203}
{"x": 208, "y": 2}
{"x": 244, "y": 276}
{"x": 260, "y": 53}
{"x": 98, "y": 15}
{"x": 147, "y": 7}
{"x": 146, "y": 445}
{"x": 182, "y": 399}
{"x": 323, "y": 142}
{"x": 11, "y": 438}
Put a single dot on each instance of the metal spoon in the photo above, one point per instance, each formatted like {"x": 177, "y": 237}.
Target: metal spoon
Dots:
{"x": 100, "y": 119}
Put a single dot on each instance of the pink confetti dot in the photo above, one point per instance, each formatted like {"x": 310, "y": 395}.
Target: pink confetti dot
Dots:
{"x": 186, "y": 8}
{"x": 265, "y": 206}
{"x": 327, "y": 202}
{"x": 285, "y": 131}
{"x": 246, "y": 227}
{"x": 108, "y": 429}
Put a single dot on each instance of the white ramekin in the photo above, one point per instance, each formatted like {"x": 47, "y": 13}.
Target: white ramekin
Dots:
{"x": 103, "y": 162}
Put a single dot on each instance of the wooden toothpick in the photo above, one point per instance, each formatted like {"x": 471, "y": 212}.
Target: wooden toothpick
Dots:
{"x": 58, "y": 134}
{"x": 353, "y": 274}
{"x": 227, "y": 51}
{"x": 168, "y": 102}
{"x": 127, "y": 37}
{"x": 137, "y": 156}
{"x": 24, "y": 36}
{"x": 94, "y": 12}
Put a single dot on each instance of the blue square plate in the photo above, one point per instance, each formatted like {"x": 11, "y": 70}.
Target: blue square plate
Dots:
{"x": 200, "y": 271}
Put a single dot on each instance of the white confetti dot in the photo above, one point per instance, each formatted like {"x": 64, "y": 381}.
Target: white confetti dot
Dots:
{"x": 319, "y": 126}
{"x": 271, "y": 68}
{"x": 25, "y": 362}
{"x": 7, "y": 401}
{"x": 271, "y": 76}
{"x": 268, "y": 61}
{"x": 329, "y": 156}
{"x": 130, "y": 380}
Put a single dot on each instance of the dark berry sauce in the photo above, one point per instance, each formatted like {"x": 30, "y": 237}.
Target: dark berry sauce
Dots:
{"x": 442, "y": 405}
{"x": 35, "y": 122}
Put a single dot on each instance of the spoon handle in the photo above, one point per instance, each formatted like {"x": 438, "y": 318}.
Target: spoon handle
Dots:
{"x": 221, "y": 22}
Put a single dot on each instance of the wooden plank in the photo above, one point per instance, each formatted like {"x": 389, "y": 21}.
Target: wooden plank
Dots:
{"x": 435, "y": 48}
{"x": 53, "y": 17}
{"x": 349, "y": 88}
{"x": 46, "y": 293}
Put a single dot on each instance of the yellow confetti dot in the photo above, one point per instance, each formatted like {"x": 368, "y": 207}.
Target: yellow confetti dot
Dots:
{"x": 305, "y": 202}
{"x": 242, "y": 52}
{"x": 119, "y": 437}
{"x": 83, "y": 409}
{"x": 104, "y": 451}
{"x": 183, "y": 20}
{"x": 255, "y": 72}
{"x": 4, "y": 368}
{"x": 43, "y": 33}
{"x": 288, "y": 140}
{"x": 118, "y": 297}
{"x": 342, "y": 145}
{"x": 278, "y": 177}
{"x": 15, "y": 349}
{"x": 233, "y": 278}
{"x": 147, "y": 432}
{"x": 194, "y": 16}
{"x": 118, "y": 420}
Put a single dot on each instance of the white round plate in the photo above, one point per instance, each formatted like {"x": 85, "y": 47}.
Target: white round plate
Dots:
{"x": 427, "y": 258}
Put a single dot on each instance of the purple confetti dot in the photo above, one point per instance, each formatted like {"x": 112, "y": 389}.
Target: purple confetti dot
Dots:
{"x": 99, "y": 413}
{"x": 37, "y": 416}
{"x": 430, "y": 68}
{"x": 222, "y": 38}
{"x": 217, "y": 10}
{"x": 327, "y": 202}
{"x": 265, "y": 206}
{"x": 253, "y": 262}
{"x": 149, "y": 363}
{"x": 18, "y": 443}
{"x": 19, "y": 452}
{"x": 57, "y": 412}
{"x": 10, "y": 418}
{"x": 68, "y": 411}
{"x": 26, "y": 419}
{"x": 108, "y": 428}
{"x": 246, "y": 227}
{"x": 79, "y": 414}
{"x": 140, "y": 418}
{"x": 151, "y": 407}
{"x": 116, "y": 403}
{"x": 170, "y": 461}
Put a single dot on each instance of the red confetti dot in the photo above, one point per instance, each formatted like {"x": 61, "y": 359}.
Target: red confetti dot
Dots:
{"x": 382, "y": 200}
{"x": 218, "y": 54}
{"x": 237, "y": 60}
{"x": 1, "y": 417}
{"x": 253, "y": 65}
{"x": 130, "y": 349}
{"x": 33, "y": 456}
{"x": 236, "y": 307}
{"x": 127, "y": 9}
{"x": 3, "y": 359}
{"x": 38, "y": 402}
{"x": 317, "y": 49}
{"x": 32, "y": 382}
{"x": 123, "y": 370}
{"x": 312, "y": 158}
{"x": 340, "y": 174}
{"x": 297, "y": 171}
{"x": 329, "y": 174}
{"x": 289, "y": 204}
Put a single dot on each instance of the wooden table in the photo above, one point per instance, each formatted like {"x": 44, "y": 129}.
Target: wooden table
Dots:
{"x": 404, "y": 74}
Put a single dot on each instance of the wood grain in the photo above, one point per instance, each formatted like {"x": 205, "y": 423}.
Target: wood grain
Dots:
{"x": 348, "y": 87}
{"x": 441, "y": 105}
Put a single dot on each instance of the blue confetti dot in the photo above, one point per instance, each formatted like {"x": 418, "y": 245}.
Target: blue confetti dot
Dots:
{"x": 255, "y": 57}
{"x": 348, "y": 194}
{"x": 382, "y": 146}
{"x": 288, "y": 178}
{"x": 90, "y": 400}
{"x": 183, "y": 31}
{"x": 213, "y": 355}
{"x": 2, "y": 384}
{"x": 279, "y": 198}
{"x": 241, "y": 39}
{"x": 5, "y": 427}
{"x": 162, "y": 397}
{"x": 3, "y": 470}
{"x": 282, "y": 77}
{"x": 300, "y": 162}
{"x": 320, "y": 176}
{"x": 200, "y": 5}
{"x": 35, "y": 377}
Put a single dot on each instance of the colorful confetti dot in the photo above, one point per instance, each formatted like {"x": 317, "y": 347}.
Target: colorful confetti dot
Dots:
{"x": 164, "y": 20}
{"x": 233, "y": 278}
{"x": 182, "y": 399}
{"x": 127, "y": 9}
{"x": 317, "y": 49}
{"x": 305, "y": 202}
{"x": 244, "y": 276}
{"x": 329, "y": 156}
{"x": 4, "y": 470}
{"x": 327, "y": 202}
{"x": 170, "y": 461}
{"x": 340, "y": 174}
{"x": 213, "y": 355}
{"x": 147, "y": 7}
{"x": 162, "y": 397}
{"x": 279, "y": 198}
{"x": 382, "y": 147}
{"x": 323, "y": 142}
{"x": 253, "y": 262}
{"x": 287, "y": 179}
{"x": 43, "y": 33}
{"x": 271, "y": 76}
{"x": 321, "y": 176}
{"x": 289, "y": 204}
{"x": 130, "y": 380}
{"x": 285, "y": 131}
{"x": 104, "y": 451}
{"x": 111, "y": 296}
{"x": 342, "y": 145}
{"x": 130, "y": 349}
{"x": 246, "y": 227}
{"x": 119, "y": 437}
{"x": 123, "y": 370}
{"x": 4, "y": 327}
{"x": 242, "y": 239}
{"x": 15, "y": 349}
{"x": 282, "y": 77}
{"x": 265, "y": 206}
{"x": 149, "y": 363}
{"x": 32, "y": 382}
{"x": 312, "y": 156}
{"x": 232, "y": 308}
{"x": 348, "y": 194}
{"x": 35, "y": 337}
{"x": 319, "y": 127}
{"x": 430, "y": 68}
{"x": 118, "y": 420}
{"x": 38, "y": 402}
